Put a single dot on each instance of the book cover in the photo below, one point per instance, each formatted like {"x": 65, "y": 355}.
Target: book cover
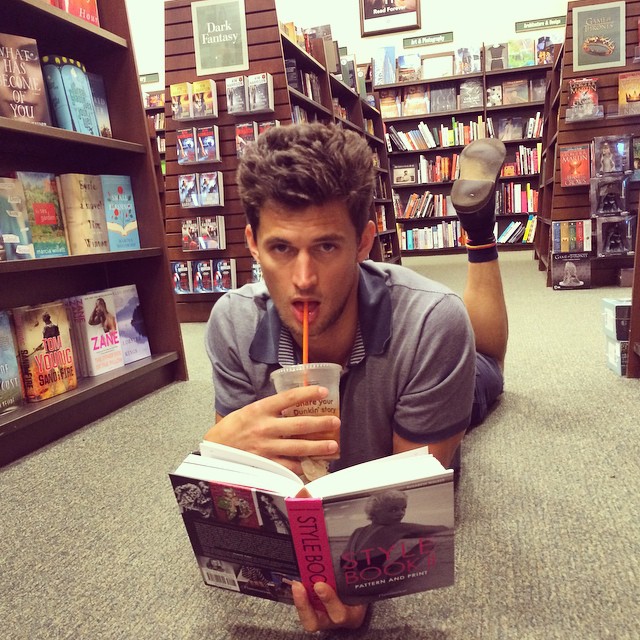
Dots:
{"x": 224, "y": 274}
{"x": 348, "y": 71}
{"x": 629, "y": 93}
{"x": 611, "y": 154}
{"x": 186, "y": 145}
{"x": 205, "y": 99}
{"x": 23, "y": 95}
{"x": 207, "y": 144}
{"x": 515, "y": 91}
{"x": 10, "y": 381}
{"x": 545, "y": 50}
{"x": 384, "y": 66}
{"x": 134, "y": 341}
{"x": 84, "y": 213}
{"x": 45, "y": 214}
{"x": 45, "y": 352}
{"x": 582, "y": 101}
{"x": 189, "y": 228}
{"x": 521, "y": 53}
{"x": 369, "y": 538}
{"x": 85, "y": 9}
{"x": 211, "y": 233}
{"x": 471, "y": 93}
{"x": 181, "y": 274}
{"x": 468, "y": 60}
{"x": 570, "y": 271}
{"x": 390, "y": 103}
{"x": 70, "y": 94}
{"x": 415, "y": 100}
{"x": 495, "y": 56}
{"x": 494, "y": 95}
{"x": 188, "y": 190}
{"x": 260, "y": 92}
{"x": 120, "y": 211}
{"x": 100, "y": 104}
{"x": 266, "y": 125}
{"x": 153, "y": 99}
{"x": 409, "y": 67}
{"x": 575, "y": 165}
{"x": 246, "y": 133}
{"x": 537, "y": 89}
{"x": 236, "y": 91}
{"x": 181, "y": 101}
{"x": 510, "y": 128}
{"x": 15, "y": 228}
{"x": 202, "y": 278}
{"x": 98, "y": 330}
{"x": 444, "y": 97}
{"x": 404, "y": 173}
{"x": 571, "y": 235}
{"x": 211, "y": 189}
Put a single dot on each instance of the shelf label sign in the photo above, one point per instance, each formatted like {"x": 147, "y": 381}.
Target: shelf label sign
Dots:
{"x": 220, "y": 36}
{"x": 149, "y": 78}
{"x": 421, "y": 41}
{"x": 542, "y": 23}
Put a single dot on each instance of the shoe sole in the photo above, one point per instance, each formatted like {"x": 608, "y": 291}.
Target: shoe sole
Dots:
{"x": 480, "y": 164}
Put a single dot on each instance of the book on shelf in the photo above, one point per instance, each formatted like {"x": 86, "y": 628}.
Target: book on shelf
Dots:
{"x": 181, "y": 100}
{"x": 256, "y": 271}
{"x": 45, "y": 352}
{"x": 260, "y": 92}
{"x": 154, "y": 99}
{"x": 415, "y": 100}
{"x": 292, "y": 73}
{"x": 45, "y": 214}
{"x": 404, "y": 173}
{"x": 70, "y": 94}
{"x": 84, "y": 9}
{"x": 236, "y": 92}
{"x": 23, "y": 94}
{"x": 582, "y": 99}
{"x": 186, "y": 145}
{"x": 15, "y": 227}
{"x": 246, "y": 133}
{"x": 205, "y": 99}
{"x": 100, "y": 104}
{"x": 545, "y": 50}
{"x": 190, "y": 231}
{"x": 322, "y": 47}
{"x": 224, "y": 274}
{"x": 510, "y": 128}
{"x": 515, "y": 91}
{"x": 409, "y": 67}
{"x": 11, "y": 395}
{"x": 202, "y": 280}
{"x": 495, "y": 56}
{"x": 211, "y": 189}
{"x": 571, "y": 235}
{"x": 444, "y": 97}
{"x": 96, "y": 327}
{"x": 575, "y": 164}
{"x": 188, "y": 190}
{"x": 84, "y": 213}
{"x": 120, "y": 211}
{"x": 521, "y": 52}
{"x": 207, "y": 143}
{"x": 467, "y": 60}
{"x": 471, "y": 93}
{"x": 181, "y": 275}
{"x": 266, "y": 125}
{"x": 390, "y": 103}
{"x": 254, "y": 527}
{"x": 384, "y": 66}
{"x": 348, "y": 71}
{"x": 610, "y": 154}
{"x": 570, "y": 271}
{"x": 134, "y": 340}
{"x": 629, "y": 93}
{"x": 211, "y": 233}
{"x": 494, "y": 95}
{"x": 537, "y": 89}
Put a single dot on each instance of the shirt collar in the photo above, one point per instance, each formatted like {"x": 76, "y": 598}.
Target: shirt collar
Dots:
{"x": 273, "y": 344}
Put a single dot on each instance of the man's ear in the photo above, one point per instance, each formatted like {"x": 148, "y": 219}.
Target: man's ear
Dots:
{"x": 251, "y": 242}
{"x": 366, "y": 241}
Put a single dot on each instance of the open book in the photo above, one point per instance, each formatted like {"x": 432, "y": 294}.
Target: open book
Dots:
{"x": 376, "y": 530}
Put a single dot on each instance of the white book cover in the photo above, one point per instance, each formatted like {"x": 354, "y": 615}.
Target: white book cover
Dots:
{"x": 133, "y": 334}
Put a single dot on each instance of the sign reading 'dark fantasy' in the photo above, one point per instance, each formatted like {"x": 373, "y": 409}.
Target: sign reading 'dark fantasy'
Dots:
{"x": 219, "y": 36}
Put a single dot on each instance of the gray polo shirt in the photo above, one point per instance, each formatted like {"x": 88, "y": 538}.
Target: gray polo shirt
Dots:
{"x": 411, "y": 370}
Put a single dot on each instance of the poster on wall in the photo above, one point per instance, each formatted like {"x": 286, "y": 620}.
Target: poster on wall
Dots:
{"x": 599, "y": 36}
{"x": 219, "y": 36}
{"x": 386, "y": 16}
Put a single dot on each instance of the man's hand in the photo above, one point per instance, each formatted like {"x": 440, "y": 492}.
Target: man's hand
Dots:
{"x": 260, "y": 428}
{"x": 337, "y": 615}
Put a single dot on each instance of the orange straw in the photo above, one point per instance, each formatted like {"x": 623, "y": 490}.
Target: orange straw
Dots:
{"x": 305, "y": 338}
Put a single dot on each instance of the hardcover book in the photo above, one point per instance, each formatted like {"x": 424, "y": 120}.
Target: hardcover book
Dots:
{"x": 45, "y": 353}
{"x": 570, "y": 271}
{"x": 260, "y": 92}
{"x": 468, "y": 60}
{"x": 205, "y": 99}
{"x": 207, "y": 144}
{"x": 202, "y": 280}
{"x": 101, "y": 107}
{"x": 120, "y": 210}
{"x": 211, "y": 233}
{"x": 384, "y": 66}
{"x": 495, "y": 56}
{"x": 181, "y": 274}
{"x": 85, "y": 9}
{"x": 224, "y": 274}
{"x": 10, "y": 381}
{"x": 181, "y": 101}
{"x": 188, "y": 190}
{"x": 471, "y": 93}
{"x": 186, "y": 145}
{"x": 537, "y": 89}
{"x": 237, "y": 98}
{"x": 133, "y": 333}
{"x": 84, "y": 213}
{"x": 246, "y": 133}
{"x": 515, "y": 91}
{"x": 44, "y": 213}
{"x": 510, "y": 128}
{"x": 521, "y": 53}
{"x": 443, "y": 97}
{"x": 415, "y": 100}
{"x": 629, "y": 93}
{"x": 211, "y": 189}
{"x": 494, "y": 95}
{"x": 582, "y": 101}
{"x": 575, "y": 165}
{"x": 348, "y": 71}
{"x": 15, "y": 229}
{"x": 409, "y": 67}
{"x": 390, "y": 103}
{"x": 378, "y": 530}
{"x": 23, "y": 95}
{"x": 70, "y": 94}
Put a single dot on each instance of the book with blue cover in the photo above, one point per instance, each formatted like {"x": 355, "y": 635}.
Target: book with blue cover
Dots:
{"x": 14, "y": 221}
{"x": 10, "y": 382}
{"x": 122, "y": 222}
{"x": 133, "y": 334}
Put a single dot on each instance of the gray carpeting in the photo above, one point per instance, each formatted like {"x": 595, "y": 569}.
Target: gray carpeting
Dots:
{"x": 548, "y": 532}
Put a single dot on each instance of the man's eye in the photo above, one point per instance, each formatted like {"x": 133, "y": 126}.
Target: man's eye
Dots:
{"x": 280, "y": 248}
{"x": 327, "y": 247}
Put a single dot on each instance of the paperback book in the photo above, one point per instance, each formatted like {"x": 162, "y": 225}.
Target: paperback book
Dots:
{"x": 246, "y": 133}
{"x": 575, "y": 165}
{"x": 181, "y": 274}
{"x": 260, "y": 92}
{"x": 10, "y": 381}
{"x": 571, "y": 236}
{"x": 629, "y": 93}
{"x": 224, "y": 274}
{"x": 236, "y": 90}
{"x": 207, "y": 144}
{"x": 211, "y": 189}
{"x": 85, "y": 9}
{"x": 205, "y": 99}
{"x": 186, "y": 145}
{"x": 45, "y": 353}
{"x": 189, "y": 228}
{"x": 134, "y": 341}
{"x": 188, "y": 190}
{"x": 181, "y": 101}
{"x": 378, "y": 530}
{"x": 15, "y": 228}
{"x": 211, "y": 233}
{"x": 101, "y": 107}
{"x": 266, "y": 125}
{"x": 23, "y": 95}
{"x": 120, "y": 211}
{"x": 202, "y": 280}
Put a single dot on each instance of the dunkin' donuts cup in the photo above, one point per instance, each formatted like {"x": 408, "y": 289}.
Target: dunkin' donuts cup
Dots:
{"x": 325, "y": 374}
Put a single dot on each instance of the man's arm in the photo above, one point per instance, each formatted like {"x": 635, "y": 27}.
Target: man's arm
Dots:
{"x": 443, "y": 450}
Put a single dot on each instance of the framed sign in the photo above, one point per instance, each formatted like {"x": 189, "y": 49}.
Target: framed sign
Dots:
{"x": 599, "y": 36}
{"x": 386, "y": 16}
{"x": 219, "y": 36}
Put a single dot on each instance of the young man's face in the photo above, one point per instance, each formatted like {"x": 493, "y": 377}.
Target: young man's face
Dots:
{"x": 311, "y": 255}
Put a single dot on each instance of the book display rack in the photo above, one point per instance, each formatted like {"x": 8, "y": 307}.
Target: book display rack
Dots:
{"x": 29, "y": 147}
{"x": 302, "y": 89}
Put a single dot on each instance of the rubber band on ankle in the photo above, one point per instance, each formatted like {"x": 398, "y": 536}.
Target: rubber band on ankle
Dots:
{"x": 482, "y": 253}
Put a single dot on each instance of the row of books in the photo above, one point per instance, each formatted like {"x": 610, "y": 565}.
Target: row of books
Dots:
{"x": 191, "y": 100}
{"x": 247, "y": 132}
{"x": 84, "y": 9}
{"x": 425, "y": 205}
{"x": 438, "y": 169}
{"x": 158, "y": 120}
{"x": 46, "y": 348}
{"x": 422, "y": 137}
{"x": 583, "y": 101}
{"x": 516, "y": 197}
{"x": 52, "y": 91}
{"x": 46, "y": 216}
{"x": 204, "y": 276}
{"x": 516, "y": 128}
{"x": 203, "y": 233}
{"x": 250, "y": 94}
{"x": 306, "y": 82}
{"x": 445, "y": 235}
{"x": 571, "y": 235}
{"x": 527, "y": 162}
{"x": 197, "y": 144}
{"x": 519, "y": 231}
{"x": 201, "y": 189}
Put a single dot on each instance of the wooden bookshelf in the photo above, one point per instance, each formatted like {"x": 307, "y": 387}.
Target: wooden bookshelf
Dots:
{"x": 268, "y": 49}
{"x": 444, "y": 228}
{"x": 105, "y": 50}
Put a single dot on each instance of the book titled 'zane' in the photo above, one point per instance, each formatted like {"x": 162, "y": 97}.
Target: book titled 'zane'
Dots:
{"x": 377, "y": 530}
{"x": 45, "y": 353}
{"x": 120, "y": 211}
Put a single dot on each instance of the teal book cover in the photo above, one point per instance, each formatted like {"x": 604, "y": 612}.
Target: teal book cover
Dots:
{"x": 122, "y": 222}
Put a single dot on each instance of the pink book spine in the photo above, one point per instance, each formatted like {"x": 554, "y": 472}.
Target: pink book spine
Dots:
{"x": 311, "y": 544}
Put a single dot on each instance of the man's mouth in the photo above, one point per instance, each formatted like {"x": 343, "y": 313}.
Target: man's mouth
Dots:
{"x": 298, "y": 310}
